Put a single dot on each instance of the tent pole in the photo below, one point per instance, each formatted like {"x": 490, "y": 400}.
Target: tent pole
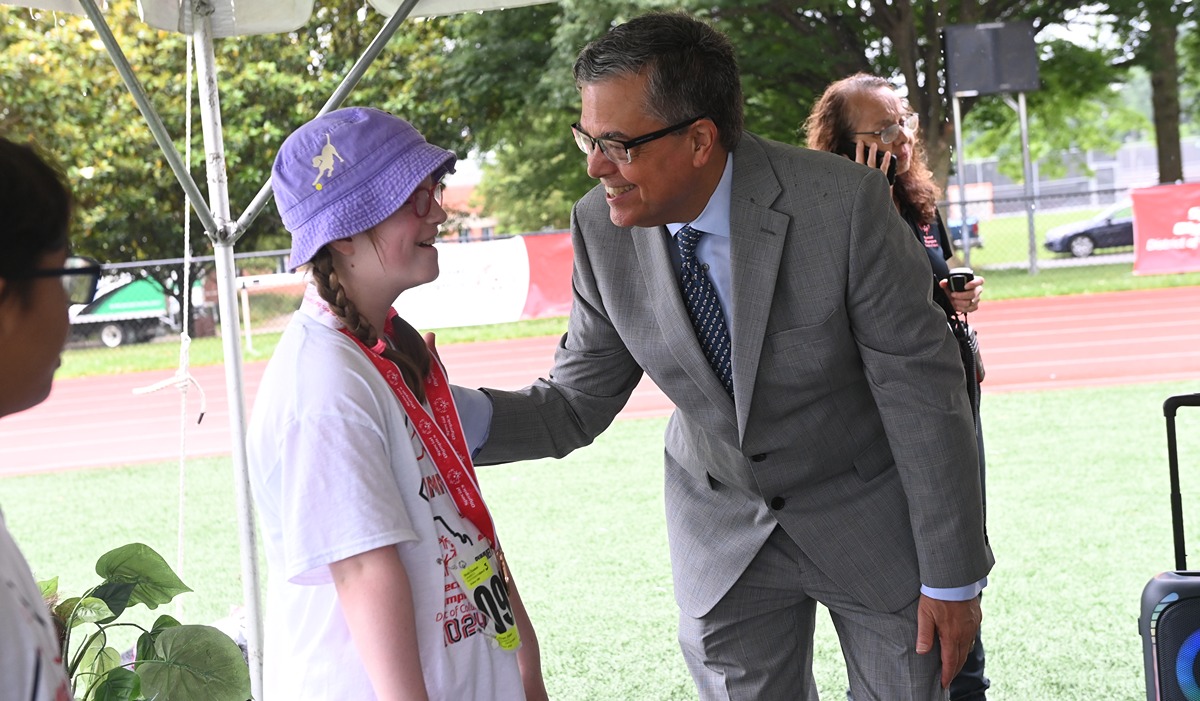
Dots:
{"x": 335, "y": 100}
{"x": 218, "y": 189}
{"x": 152, "y": 119}
{"x": 226, "y": 274}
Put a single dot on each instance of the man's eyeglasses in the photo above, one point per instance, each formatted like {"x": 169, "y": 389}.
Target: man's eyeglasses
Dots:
{"x": 80, "y": 277}
{"x": 618, "y": 151}
{"x": 889, "y": 133}
{"x": 423, "y": 198}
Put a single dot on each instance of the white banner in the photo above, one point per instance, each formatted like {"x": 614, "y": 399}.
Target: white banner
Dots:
{"x": 480, "y": 283}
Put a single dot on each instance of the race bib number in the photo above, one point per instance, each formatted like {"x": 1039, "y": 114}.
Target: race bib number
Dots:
{"x": 477, "y": 571}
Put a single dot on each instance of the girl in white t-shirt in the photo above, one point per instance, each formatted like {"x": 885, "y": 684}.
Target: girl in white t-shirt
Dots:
{"x": 38, "y": 282}
{"x": 385, "y": 581}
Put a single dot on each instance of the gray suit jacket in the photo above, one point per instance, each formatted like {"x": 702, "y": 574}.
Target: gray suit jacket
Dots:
{"x": 851, "y": 427}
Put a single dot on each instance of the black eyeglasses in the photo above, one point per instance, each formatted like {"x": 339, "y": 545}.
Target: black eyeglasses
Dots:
{"x": 618, "y": 151}
{"x": 80, "y": 277}
{"x": 889, "y": 133}
{"x": 423, "y": 198}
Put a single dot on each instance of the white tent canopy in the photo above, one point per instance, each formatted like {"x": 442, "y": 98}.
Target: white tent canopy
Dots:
{"x": 206, "y": 20}
{"x": 247, "y": 17}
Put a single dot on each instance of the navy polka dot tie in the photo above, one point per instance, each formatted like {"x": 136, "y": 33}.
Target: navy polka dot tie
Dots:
{"x": 704, "y": 307}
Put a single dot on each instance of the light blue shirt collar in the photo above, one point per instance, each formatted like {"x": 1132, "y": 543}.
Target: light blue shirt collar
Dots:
{"x": 715, "y": 217}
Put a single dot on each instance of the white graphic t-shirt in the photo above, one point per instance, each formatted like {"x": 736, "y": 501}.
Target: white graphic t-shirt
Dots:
{"x": 337, "y": 470}
{"x": 31, "y": 666}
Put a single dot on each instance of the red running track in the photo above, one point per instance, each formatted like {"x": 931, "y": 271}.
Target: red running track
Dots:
{"x": 1028, "y": 344}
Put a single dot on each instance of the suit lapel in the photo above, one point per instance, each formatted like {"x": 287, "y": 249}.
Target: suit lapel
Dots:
{"x": 757, "y": 235}
{"x": 658, "y": 271}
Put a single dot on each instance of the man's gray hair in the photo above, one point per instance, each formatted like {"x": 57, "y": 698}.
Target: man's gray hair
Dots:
{"x": 690, "y": 67}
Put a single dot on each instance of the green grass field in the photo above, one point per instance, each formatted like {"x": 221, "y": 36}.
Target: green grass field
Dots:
{"x": 1079, "y": 519}
{"x": 1078, "y": 514}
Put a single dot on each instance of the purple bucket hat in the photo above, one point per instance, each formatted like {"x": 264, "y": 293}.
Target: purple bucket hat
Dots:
{"x": 346, "y": 171}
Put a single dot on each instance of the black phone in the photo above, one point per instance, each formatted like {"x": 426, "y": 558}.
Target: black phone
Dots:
{"x": 959, "y": 277}
{"x": 847, "y": 149}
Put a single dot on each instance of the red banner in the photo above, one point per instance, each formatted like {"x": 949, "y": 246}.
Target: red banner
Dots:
{"x": 550, "y": 262}
{"x": 1166, "y": 229}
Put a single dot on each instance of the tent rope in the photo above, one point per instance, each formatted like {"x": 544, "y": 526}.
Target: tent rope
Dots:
{"x": 183, "y": 378}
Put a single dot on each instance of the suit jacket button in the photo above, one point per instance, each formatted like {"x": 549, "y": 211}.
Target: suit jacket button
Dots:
{"x": 777, "y": 503}
{"x": 759, "y": 457}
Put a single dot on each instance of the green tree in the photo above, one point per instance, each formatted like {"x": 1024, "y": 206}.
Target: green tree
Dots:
{"x": 512, "y": 77}
{"x": 910, "y": 47}
{"x": 510, "y": 73}
{"x": 1079, "y": 108}
{"x": 62, "y": 92}
{"x": 1189, "y": 78}
{"x": 1152, "y": 31}
{"x": 495, "y": 83}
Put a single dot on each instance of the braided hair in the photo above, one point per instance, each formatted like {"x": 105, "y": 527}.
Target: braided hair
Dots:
{"x": 407, "y": 349}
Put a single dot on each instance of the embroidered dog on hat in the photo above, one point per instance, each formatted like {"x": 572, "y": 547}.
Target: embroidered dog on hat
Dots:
{"x": 324, "y": 162}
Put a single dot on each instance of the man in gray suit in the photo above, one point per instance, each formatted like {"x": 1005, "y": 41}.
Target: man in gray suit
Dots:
{"x": 822, "y": 448}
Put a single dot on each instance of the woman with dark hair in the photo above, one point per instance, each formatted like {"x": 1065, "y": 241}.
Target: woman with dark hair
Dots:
{"x": 862, "y": 118}
{"x": 38, "y": 281}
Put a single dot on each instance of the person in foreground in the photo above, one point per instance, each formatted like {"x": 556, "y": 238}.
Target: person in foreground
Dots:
{"x": 821, "y": 448}
{"x": 385, "y": 577}
{"x": 39, "y": 280}
{"x": 865, "y": 111}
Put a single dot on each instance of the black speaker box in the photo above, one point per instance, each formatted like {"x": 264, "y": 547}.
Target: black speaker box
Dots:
{"x": 1170, "y": 614}
{"x": 1170, "y": 627}
{"x": 986, "y": 59}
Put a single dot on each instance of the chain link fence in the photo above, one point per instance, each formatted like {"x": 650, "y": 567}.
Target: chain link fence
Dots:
{"x": 1066, "y": 226}
{"x": 139, "y": 307}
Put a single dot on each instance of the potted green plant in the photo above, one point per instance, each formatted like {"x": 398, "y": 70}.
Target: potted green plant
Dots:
{"x": 173, "y": 662}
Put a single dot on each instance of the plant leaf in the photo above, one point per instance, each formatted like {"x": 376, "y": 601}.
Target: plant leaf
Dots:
{"x": 106, "y": 660}
{"x": 162, "y": 623}
{"x": 155, "y": 582}
{"x": 116, "y": 595}
{"x": 119, "y": 685}
{"x": 196, "y": 662}
{"x": 77, "y": 611}
{"x": 145, "y": 643}
{"x": 95, "y": 646}
{"x": 49, "y": 588}
{"x": 145, "y": 647}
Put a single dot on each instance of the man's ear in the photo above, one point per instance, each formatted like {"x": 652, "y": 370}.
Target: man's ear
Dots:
{"x": 705, "y": 141}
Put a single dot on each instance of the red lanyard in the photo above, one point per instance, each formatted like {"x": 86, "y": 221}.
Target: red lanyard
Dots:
{"x": 443, "y": 437}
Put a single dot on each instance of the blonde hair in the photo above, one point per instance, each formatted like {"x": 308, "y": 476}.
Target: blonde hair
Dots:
{"x": 408, "y": 350}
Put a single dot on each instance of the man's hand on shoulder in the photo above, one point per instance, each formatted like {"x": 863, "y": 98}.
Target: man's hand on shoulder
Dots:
{"x": 955, "y": 623}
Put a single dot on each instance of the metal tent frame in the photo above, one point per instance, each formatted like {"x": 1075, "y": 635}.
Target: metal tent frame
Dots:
{"x": 207, "y": 20}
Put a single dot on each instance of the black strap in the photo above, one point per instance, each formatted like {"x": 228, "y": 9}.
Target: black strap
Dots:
{"x": 966, "y": 349}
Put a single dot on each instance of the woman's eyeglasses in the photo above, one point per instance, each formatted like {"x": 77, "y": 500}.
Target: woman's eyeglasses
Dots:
{"x": 423, "y": 198}
{"x": 80, "y": 277}
{"x": 889, "y": 133}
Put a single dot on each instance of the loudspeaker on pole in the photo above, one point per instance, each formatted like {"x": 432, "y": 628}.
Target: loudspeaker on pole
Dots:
{"x": 985, "y": 59}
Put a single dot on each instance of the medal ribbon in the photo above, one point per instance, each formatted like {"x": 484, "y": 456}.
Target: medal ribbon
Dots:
{"x": 441, "y": 432}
